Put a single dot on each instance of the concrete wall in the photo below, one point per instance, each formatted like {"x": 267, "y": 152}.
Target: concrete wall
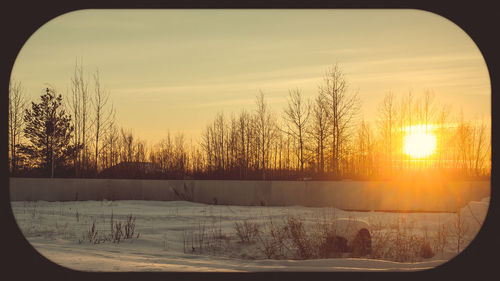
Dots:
{"x": 348, "y": 195}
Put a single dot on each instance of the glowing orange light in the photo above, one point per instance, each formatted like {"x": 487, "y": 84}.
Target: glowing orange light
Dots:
{"x": 419, "y": 142}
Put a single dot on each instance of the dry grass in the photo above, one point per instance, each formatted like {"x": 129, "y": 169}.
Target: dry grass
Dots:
{"x": 400, "y": 242}
{"x": 118, "y": 230}
{"x": 205, "y": 239}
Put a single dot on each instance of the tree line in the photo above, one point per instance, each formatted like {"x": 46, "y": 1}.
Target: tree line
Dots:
{"x": 323, "y": 138}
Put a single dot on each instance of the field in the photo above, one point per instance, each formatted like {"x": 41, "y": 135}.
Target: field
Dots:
{"x": 186, "y": 236}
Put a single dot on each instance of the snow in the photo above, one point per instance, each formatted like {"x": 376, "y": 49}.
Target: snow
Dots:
{"x": 348, "y": 228}
{"x": 168, "y": 233}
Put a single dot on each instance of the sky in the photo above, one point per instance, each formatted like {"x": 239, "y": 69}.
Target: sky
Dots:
{"x": 174, "y": 70}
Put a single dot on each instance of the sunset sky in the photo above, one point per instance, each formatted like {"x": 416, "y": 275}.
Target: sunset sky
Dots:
{"x": 175, "y": 69}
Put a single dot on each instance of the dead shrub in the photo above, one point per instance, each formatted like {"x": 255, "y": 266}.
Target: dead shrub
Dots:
{"x": 272, "y": 240}
{"x": 246, "y": 231}
{"x": 458, "y": 230}
{"x": 399, "y": 242}
{"x": 129, "y": 227}
{"x": 92, "y": 234}
{"x": 118, "y": 231}
{"x": 440, "y": 240}
{"x": 300, "y": 240}
{"x": 203, "y": 239}
{"x": 380, "y": 241}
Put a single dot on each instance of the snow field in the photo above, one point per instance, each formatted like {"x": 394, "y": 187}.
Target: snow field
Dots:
{"x": 186, "y": 236}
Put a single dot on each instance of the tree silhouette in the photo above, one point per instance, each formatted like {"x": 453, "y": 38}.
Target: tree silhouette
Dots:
{"x": 297, "y": 114}
{"x": 266, "y": 131}
{"x": 49, "y": 131}
{"x": 319, "y": 131}
{"x": 323, "y": 140}
{"x": 342, "y": 110}
{"x": 16, "y": 108}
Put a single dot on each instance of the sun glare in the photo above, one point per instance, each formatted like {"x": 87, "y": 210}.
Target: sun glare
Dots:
{"x": 419, "y": 142}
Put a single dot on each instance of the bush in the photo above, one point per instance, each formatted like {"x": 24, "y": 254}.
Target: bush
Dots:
{"x": 246, "y": 231}
{"x": 398, "y": 243}
{"x": 426, "y": 251}
{"x": 272, "y": 240}
{"x": 292, "y": 239}
{"x": 301, "y": 241}
{"x": 333, "y": 246}
{"x": 362, "y": 243}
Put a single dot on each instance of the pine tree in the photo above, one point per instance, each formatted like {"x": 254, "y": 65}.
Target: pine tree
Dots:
{"x": 49, "y": 131}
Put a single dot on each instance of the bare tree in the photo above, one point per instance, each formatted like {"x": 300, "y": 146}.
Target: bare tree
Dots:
{"x": 471, "y": 147}
{"x": 219, "y": 130}
{"x": 111, "y": 143}
{"x": 128, "y": 146}
{"x": 297, "y": 115}
{"x": 428, "y": 109}
{"x": 364, "y": 150}
{"x": 480, "y": 148}
{"x": 386, "y": 124}
{"x": 102, "y": 117}
{"x": 232, "y": 144}
{"x": 78, "y": 104}
{"x": 207, "y": 145}
{"x": 17, "y": 104}
{"x": 401, "y": 124}
{"x": 319, "y": 130}
{"x": 342, "y": 108}
{"x": 244, "y": 143}
{"x": 266, "y": 130}
{"x": 443, "y": 136}
{"x": 140, "y": 151}
{"x": 409, "y": 110}
{"x": 180, "y": 155}
{"x": 196, "y": 159}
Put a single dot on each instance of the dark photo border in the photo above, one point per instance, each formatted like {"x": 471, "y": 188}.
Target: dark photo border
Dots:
{"x": 21, "y": 18}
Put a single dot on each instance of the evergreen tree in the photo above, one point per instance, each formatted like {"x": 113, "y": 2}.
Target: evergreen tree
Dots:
{"x": 49, "y": 131}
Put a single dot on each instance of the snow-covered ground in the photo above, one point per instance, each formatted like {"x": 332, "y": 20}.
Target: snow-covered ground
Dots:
{"x": 186, "y": 236}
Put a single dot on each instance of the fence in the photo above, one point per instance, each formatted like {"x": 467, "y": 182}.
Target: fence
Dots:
{"x": 347, "y": 195}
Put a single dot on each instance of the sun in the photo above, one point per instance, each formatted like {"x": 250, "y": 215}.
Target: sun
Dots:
{"x": 419, "y": 142}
